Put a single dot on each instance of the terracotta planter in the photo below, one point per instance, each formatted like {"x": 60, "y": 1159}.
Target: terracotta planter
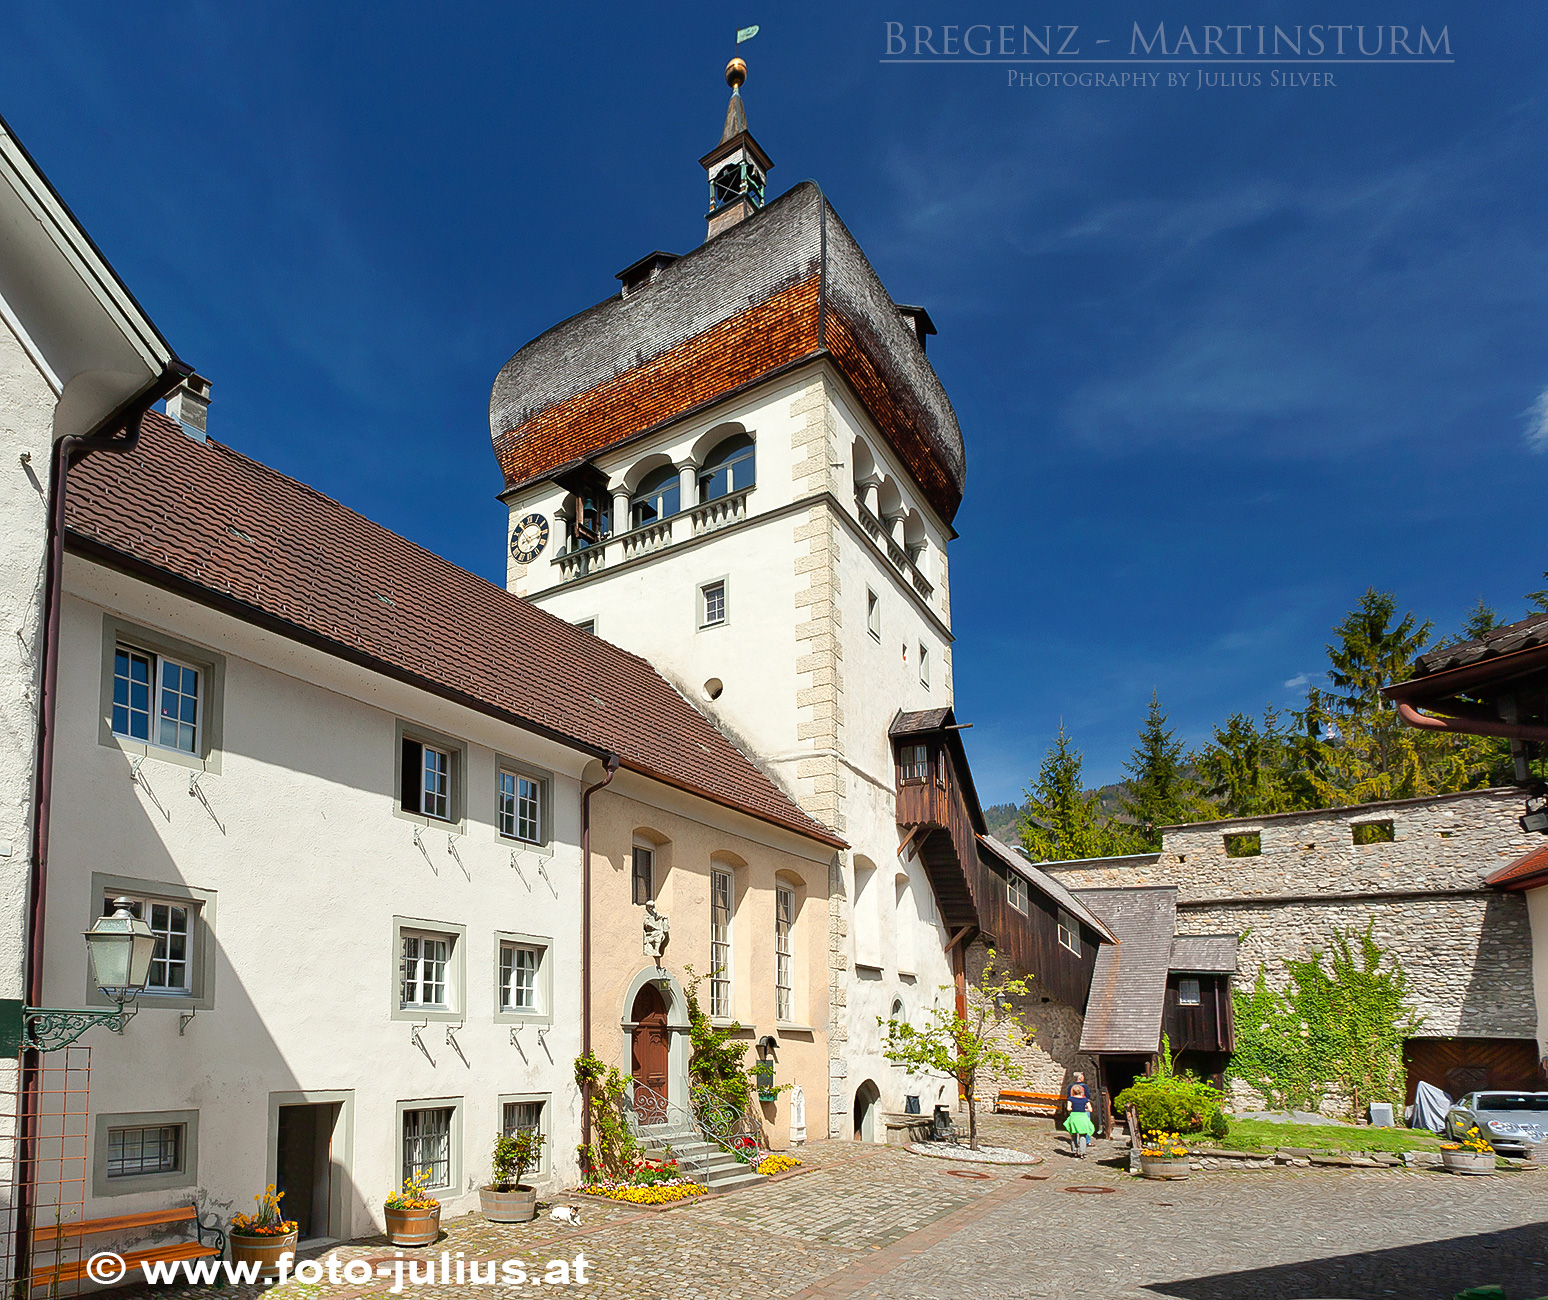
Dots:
{"x": 1476, "y": 1163}
{"x": 263, "y": 1251}
{"x": 413, "y": 1227}
{"x": 516, "y": 1206}
{"x": 1164, "y": 1166}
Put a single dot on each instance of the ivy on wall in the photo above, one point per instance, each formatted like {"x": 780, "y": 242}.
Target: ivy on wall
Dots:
{"x": 1332, "y": 1029}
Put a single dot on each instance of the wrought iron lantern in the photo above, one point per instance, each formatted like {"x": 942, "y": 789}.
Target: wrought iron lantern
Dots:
{"x": 120, "y": 947}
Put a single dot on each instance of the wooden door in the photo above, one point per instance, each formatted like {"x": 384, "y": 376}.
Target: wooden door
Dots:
{"x": 649, "y": 1055}
{"x": 1458, "y": 1066}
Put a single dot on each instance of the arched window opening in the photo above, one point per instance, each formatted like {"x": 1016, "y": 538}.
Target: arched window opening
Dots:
{"x": 659, "y": 496}
{"x": 727, "y": 469}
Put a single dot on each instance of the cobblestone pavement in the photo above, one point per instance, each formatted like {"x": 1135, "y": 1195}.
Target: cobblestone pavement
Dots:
{"x": 881, "y": 1224}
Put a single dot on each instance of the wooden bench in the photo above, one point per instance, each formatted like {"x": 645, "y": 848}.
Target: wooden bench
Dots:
{"x": 46, "y": 1237}
{"x": 1028, "y": 1103}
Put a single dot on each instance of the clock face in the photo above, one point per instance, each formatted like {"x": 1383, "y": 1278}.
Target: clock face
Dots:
{"x": 528, "y": 538}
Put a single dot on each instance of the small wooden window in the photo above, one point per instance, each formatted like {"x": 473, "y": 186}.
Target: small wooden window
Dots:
{"x": 1069, "y": 932}
{"x": 1188, "y": 992}
{"x": 915, "y": 762}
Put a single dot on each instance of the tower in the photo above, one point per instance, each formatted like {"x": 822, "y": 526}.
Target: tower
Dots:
{"x": 743, "y": 468}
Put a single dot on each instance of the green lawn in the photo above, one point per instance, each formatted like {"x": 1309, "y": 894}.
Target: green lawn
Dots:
{"x": 1263, "y": 1135}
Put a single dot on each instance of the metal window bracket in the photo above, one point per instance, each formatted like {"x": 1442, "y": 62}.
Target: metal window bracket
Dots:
{"x": 543, "y": 871}
{"x": 451, "y": 1039}
{"x": 451, "y": 848}
{"x": 186, "y": 1019}
{"x": 516, "y": 1041}
{"x": 419, "y": 844}
{"x": 516, "y": 867}
{"x": 420, "y": 1042}
{"x": 543, "y": 1042}
{"x": 197, "y": 791}
{"x": 137, "y": 777}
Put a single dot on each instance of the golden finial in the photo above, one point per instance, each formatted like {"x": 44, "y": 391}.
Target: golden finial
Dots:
{"x": 736, "y": 74}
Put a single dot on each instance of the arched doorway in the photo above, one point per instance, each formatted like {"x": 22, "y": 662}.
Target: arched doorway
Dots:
{"x": 867, "y": 1101}
{"x": 649, "y": 1054}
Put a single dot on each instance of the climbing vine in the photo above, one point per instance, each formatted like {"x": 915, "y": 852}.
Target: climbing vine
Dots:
{"x": 1337, "y": 1028}
{"x": 614, "y": 1149}
{"x": 715, "y": 1063}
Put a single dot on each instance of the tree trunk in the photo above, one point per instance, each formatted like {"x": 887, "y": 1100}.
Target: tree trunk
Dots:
{"x": 972, "y": 1121}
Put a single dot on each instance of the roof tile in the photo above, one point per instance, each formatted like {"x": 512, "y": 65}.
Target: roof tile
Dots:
{"x": 207, "y": 519}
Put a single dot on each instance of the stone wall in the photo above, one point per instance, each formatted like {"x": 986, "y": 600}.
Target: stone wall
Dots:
{"x": 1466, "y": 949}
{"x": 1446, "y": 842}
{"x": 1051, "y": 1056}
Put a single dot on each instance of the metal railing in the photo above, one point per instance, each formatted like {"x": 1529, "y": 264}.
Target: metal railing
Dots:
{"x": 707, "y": 1117}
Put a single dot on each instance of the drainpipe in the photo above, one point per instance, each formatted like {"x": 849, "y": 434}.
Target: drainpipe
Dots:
{"x": 1472, "y": 726}
{"x": 612, "y": 771}
{"x": 119, "y": 432}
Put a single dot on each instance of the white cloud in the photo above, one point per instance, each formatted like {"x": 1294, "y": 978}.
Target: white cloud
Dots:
{"x": 1537, "y": 423}
{"x": 1298, "y": 681}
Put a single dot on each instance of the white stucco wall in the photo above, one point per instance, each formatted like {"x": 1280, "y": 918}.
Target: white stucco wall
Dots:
{"x": 309, "y": 866}
{"x": 26, "y": 428}
{"x": 808, "y": 691}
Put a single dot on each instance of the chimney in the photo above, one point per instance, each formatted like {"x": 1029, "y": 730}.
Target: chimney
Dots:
{"x": 189, "y": 405}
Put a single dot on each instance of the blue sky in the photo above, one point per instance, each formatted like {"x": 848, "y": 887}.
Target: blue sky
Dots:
{"x": 1223, "y": 357}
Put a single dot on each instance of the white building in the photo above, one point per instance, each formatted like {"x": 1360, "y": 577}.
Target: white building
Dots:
{"x": 343, "y": 781}
{"x": 743, "y": 468}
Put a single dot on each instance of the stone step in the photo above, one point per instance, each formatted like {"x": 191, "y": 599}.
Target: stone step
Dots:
{"x": 734, "y": 1182}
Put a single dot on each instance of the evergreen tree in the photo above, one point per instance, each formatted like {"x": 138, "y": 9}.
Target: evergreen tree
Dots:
{"x": 1245, "y": 769}
{"x": 1538, "y": 600}
{"x": 1372, "y": 651}
{"x": 1159, "y": 791}
{"x": 1481, "y": 620}
{"x": 1062, "y": 821}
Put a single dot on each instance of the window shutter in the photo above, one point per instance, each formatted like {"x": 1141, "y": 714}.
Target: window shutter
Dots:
{"x": 413, "y": 775}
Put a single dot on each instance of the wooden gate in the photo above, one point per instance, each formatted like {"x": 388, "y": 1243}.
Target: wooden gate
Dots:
{"x": 1461, "y": 1065}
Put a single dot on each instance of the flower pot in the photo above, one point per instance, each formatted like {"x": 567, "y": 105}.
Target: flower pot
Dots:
{"x": 1164, "y": 1166}
{"x": 265, "y": 1251}
{"x": 515, "y": 1206}
{"x": 413, "y": 1227}
{"x": 1475, "y": 1163}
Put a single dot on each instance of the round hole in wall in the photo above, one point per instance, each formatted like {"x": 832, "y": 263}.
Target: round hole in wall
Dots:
{"x": 714, "y": 687}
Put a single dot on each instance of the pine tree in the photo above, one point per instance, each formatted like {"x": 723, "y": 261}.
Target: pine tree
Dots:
{"x": 1481, "y": 620}
{"x": 1245, "y": 769}
{"x": 1372, "y": 652}
{"x": 1061, "y": 821}
{"x": 1159, "y": 791}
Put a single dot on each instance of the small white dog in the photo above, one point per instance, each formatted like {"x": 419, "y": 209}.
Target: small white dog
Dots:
{"x": 565, "y": 1214}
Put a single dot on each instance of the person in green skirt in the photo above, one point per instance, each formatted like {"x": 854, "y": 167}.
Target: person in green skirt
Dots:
{"x": 1077, "y": 1122}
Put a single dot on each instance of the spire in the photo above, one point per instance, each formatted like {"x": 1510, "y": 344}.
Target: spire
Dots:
{"x": 737, "y": 166}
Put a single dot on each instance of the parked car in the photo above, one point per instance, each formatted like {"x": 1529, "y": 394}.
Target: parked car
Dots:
{"x": 1513, "y": 1122}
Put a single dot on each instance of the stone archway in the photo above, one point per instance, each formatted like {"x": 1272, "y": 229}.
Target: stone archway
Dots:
{"x": 656, "y": 1044}
{"x": 867, "y": 1111}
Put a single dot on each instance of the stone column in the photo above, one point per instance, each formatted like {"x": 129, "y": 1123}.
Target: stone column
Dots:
{"x": 687, "y": 485}
{"x": 895, "y": 528}
{"x": 870, "y": 495}
{"x": 620, "y": 512}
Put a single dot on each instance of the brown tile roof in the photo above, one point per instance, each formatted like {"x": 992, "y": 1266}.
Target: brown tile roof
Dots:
{"x": 1128, "y": 984}
{"x": 783, "y": 286}
{"x": 218, "y": 527}
{"x": 1524, "y": 872}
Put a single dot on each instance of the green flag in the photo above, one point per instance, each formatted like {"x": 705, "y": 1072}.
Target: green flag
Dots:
{"x": 745, "y": 33}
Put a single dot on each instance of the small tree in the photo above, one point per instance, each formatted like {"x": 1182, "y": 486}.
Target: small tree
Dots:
{"x": 514, "y": 1154}
{"x": 961, "y": 1046}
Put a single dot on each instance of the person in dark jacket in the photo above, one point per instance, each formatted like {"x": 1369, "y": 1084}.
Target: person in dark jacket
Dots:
{"x": 1077, "y": 1121}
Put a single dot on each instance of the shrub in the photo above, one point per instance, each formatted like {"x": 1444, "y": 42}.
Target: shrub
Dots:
{"x": 1169, "y": 1102}
{"x": 1219, "y": 1126}
{"x": 514, "y": 1155}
